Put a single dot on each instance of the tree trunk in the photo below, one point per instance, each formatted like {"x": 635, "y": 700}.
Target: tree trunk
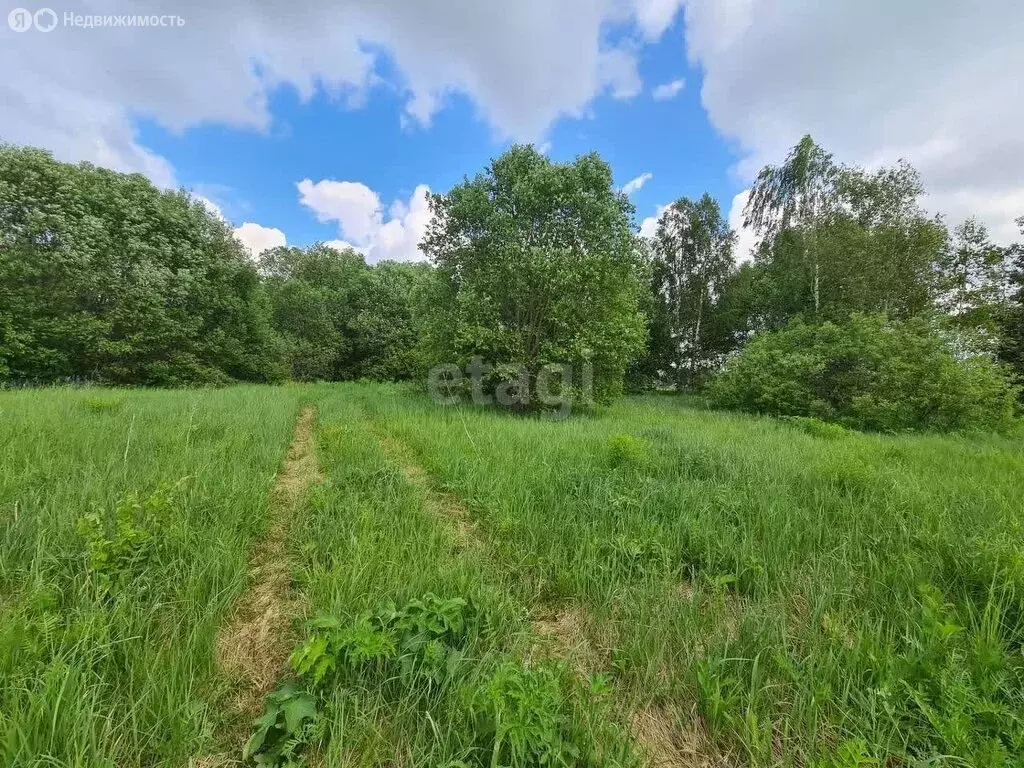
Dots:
{"x": 695, "y": 341}
{"x": 817, "y": 290}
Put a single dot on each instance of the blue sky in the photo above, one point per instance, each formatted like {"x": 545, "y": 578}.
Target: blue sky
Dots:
{"x": 252, "y": 175}
{"x": 329, "y": 119}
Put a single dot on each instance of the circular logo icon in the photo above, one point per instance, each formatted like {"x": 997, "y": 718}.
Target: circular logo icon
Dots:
{"x": 20, "y": 20}
{"x": 45, "y": 19}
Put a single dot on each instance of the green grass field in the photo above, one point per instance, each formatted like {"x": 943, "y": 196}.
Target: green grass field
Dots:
{"x": 651, "y": 584}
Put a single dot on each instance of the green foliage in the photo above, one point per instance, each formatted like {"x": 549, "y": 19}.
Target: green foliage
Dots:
{"x": 117, "y": 546}
{"x": 818, "y": 428}
{"x": 961, "y": 687}
{"x": 522, "y": 714}
{"x": 838, "y": 240}
{"x": 105, "y": 277}
{"x": 628, "y": 451}
{"x": 536, "y": 264}
{"x": 341, "y": 319}
{"x": 388, "y": 326}
{"x": 422, "y": 644}
{"x": 868, "y": 373}
{"x": 1011, "y": 319}
{"x": 974, "y": 279}
{"x": 516, "y": 715}
{"x": 692, "y": 261}
{"x": 424, "y": 638}
{"x": 286, "y": 726}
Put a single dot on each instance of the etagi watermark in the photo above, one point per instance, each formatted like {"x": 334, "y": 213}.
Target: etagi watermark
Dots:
{"x": 553, "y": 387}
{"x": 46, "y": 20}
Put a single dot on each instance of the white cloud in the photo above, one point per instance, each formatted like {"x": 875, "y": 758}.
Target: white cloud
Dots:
{"x": 361, "y": 221}
{"x": 746, "y": 240}
{"x": 668, "y": 90}
{"x": 617, "y": 70}
{"x": 257, "y": 238}
{"x": 874, "y": 81}
{"x": 342, "y": 245}
{"x": 655, "y": 16}
{"x": 649, "y": 226}
{"x": 209, "y": 205}
{"x": 354, "y": 206}
{"x": 78, "y": 92}
{"x": 634, "y": 185}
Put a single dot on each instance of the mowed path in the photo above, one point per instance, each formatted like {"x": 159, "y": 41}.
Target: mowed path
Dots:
{"x": 664, "y": 739}
{"x": 254, "y": 646}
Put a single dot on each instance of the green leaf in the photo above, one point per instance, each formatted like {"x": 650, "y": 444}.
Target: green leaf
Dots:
{"x": 302, "y": 707}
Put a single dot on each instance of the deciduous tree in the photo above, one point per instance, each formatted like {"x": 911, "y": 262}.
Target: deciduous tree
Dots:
{"x": 693, "y": 257}
{"x": 537, "y": 264}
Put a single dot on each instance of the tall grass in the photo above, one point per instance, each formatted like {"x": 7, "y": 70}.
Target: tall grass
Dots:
{"x": 369, "y": 541}
{"x": 817, "y": 597}
{"x": 110, "y": 661}
{"x": 822, "y": 596}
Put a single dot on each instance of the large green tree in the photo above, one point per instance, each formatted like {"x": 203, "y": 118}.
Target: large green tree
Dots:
{"x": 105, "y": 277}
{"x": 388, "y": 326}
{"x": 341, "y": 319}
{"x": 537, "y": 264}
{"x": 975, "y": 279}
{"x": 693, "y": 258}
{"x": 316, "y": 294}
{"x": 793, "y": 197}
{"x": 837, "y": 240}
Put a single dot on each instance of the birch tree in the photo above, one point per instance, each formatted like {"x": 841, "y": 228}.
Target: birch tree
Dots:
{"x": 693, "y": 250}
{"x": 795, "y": 196}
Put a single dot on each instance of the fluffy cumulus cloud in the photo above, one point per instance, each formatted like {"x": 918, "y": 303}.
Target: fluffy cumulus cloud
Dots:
{"x": 362, "y": 222}
{"x": 874, "y": 81}
{"x": 353, "y": 205}
{"x": 78, "y": 91}
{"x": 668, "y": 91}
{"x": 257, "y": 238}
{"x": 634, "y": 185}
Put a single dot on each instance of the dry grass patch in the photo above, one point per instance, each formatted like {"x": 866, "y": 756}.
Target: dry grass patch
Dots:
{"x": 669, "y": 740}
{"x": 564, "y": 635}
{"x": 255, "y": 644}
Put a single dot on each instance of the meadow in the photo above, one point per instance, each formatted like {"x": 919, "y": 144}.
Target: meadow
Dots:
{"x": 652, "y": 583}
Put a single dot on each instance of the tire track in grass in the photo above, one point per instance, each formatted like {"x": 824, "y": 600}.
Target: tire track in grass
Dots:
{"x": 255, "y": 644}
{"x": 671, "y": 740}
{"x": 662, "y": 737}
{"x": 446, "y": 507}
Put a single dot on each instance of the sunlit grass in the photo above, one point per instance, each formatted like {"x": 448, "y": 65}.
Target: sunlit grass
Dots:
{"x": 815, "y": 597}
{"x": 124, "y": 676}
{"x": 813, "y": 594}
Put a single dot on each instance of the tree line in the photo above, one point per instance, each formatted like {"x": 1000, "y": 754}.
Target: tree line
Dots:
{"x": 853, "y": 294}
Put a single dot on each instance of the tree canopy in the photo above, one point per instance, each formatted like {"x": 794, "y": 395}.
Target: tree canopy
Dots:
{"x": 535, "y": 267}
{"x": 537, "y": 264}
{"x": 103, "y": 276}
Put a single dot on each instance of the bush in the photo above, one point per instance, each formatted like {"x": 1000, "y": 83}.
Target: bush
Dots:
{"x": 868, "y": 373}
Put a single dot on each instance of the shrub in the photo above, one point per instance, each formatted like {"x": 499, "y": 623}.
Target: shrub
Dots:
{"x": 628, "y": 451}
{"x": 868, "y": 373}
